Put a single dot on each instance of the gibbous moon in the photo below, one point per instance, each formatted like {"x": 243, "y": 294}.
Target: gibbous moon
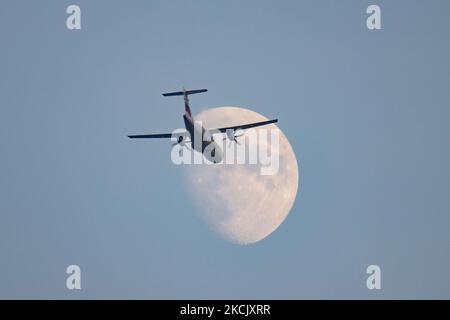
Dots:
{"x": 235, "y": 200}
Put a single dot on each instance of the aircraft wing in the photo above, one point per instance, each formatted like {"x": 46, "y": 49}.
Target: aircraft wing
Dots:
{"x": 245, "y": 126}
{"x": 146, "y": 136}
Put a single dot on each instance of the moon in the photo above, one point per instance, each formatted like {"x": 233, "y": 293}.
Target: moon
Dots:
{"x": 237, "y": 202}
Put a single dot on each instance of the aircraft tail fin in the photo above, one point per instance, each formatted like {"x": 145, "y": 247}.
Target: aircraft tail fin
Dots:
{"x": 184, "y": 93}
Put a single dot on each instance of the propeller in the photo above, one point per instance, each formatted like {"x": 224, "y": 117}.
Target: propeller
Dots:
{"x": 181, "y": 140}
{"x": 232, "y": 136}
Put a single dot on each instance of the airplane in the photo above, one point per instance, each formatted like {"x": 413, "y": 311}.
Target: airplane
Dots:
{"x": 193, "y": 130}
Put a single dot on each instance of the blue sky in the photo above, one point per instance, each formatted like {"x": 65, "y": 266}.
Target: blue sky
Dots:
{"x": 366, "y": 112}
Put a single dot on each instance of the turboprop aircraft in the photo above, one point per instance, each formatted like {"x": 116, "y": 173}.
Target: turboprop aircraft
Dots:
{"x": 195, "y": 131}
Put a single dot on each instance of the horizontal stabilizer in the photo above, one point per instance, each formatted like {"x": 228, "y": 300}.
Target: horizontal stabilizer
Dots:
{"x": 181, "y": 93}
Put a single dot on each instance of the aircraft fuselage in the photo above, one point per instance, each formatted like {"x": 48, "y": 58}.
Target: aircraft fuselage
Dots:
{"x": 213, "y": 152}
